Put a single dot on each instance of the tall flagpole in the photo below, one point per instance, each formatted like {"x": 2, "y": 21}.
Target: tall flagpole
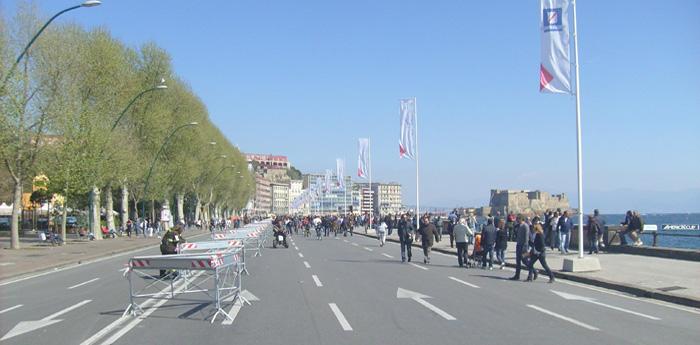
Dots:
{"x": 579, "y": 153}
{"x": 415, "y": 108}
{"x": 371, "y": 194}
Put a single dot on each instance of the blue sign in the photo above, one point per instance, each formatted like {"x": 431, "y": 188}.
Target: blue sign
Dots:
{"x": 551, "y": 19}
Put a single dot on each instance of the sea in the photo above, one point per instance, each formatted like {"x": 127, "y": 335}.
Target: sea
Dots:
{"x": 666, "y": 238}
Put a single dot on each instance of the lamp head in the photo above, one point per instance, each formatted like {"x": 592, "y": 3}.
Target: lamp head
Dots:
{"x": 91, "y": 3}
{"x": 193, "y": 123}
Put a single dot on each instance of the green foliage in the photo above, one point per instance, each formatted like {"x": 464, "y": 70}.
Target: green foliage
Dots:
{"x": 59, "y": 111}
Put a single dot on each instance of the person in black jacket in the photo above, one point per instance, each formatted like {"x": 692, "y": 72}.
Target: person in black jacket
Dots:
{"x": 537, "y": 253}
{"x": 501, "y": 242}
{"x": 428, "y": 232}
{"x": 405, "y": 232}
{"x": 488, "y": 241}
{"x": 168, "y": 245}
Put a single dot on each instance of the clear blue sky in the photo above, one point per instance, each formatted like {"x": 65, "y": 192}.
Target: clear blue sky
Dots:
{"x": 307, "y": 78}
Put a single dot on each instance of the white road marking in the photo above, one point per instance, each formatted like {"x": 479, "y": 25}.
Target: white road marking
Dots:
{"x": 85, "y": 283}
{"x": 346, "y": 241}
{"x": 29, "y": 326}
{"x": 237, "y": 306}
{"x": 463, "y": 282}
{"x": 387, "y": 255}
{"x": 318, "y": 282}
{"x": 11, "y": 308}
{"x": 301, "y": 255}
{"x": 368, "y": 249}
{"x": 6, "y": 263}
{"x": 419, "y": 297}
{"x": 419, "y": 266}
{"x": 118, "y": 322}
{"x": 341, "y": 318}
{"x": 138, "y": 319}
{"x": 572, "y": 297}
{"x": 306, "y": 263}
{"x": 59, "y": 313}
{"x": 355, "y": 244}
{"x": 565, "y": 318}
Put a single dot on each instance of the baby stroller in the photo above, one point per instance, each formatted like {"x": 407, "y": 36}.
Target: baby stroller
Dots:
{"x": 474, "y": 260}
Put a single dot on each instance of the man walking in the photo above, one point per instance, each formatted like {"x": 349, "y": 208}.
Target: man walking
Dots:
{"x": 428, "y": 232}
{"x": 564, "y": 227}
{"x": 405, "y": 232}
{"x": 461, "y": 234}
{"x": 488, "y": 241}
{"x": 522, "y": 236}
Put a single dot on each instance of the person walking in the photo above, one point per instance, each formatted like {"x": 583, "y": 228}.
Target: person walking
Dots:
{"x": 501, "y": 243}
{"x": 428, "y": 232}
{"x": 554, "y": 233}
{"x": 405, "y": 232}
{"x": 521, "y": 240}
{"x": 488, "y": 242}
{"x": 592, "y": 230}
{"x": 381, "y": 233}
{"x": 537, "y": 253}
{"x": 461, "y": 235}
{"x": 564, "y": 227}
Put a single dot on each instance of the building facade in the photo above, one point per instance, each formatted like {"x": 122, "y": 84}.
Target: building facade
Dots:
{"x": 295, "y": 190}
{"x": 280, "y": 198}
{"x": 388, "y": 200}
{"x": 330, "y": 201}
{"x": 262, "y": 204}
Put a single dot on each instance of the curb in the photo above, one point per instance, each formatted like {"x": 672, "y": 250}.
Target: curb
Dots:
{"x": 622, "y": 287}
{"x": 83, "y": 260}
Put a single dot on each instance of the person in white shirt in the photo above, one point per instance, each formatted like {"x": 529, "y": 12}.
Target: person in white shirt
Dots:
{"x": 381, "y": 233}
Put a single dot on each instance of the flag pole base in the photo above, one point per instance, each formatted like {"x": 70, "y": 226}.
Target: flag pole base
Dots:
{"x": 585, "y": 264}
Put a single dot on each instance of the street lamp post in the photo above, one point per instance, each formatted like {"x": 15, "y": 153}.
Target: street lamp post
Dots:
{"x": 160, "y": 86}
{"x": 153, "y": 164}
{"x": 88, "y": 3}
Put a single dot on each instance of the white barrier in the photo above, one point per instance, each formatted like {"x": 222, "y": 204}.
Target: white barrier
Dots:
{"x": 223, "y": 269}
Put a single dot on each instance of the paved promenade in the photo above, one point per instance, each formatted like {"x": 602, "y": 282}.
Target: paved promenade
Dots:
{"x": 676, "y": 281}
{"x": 36, "y": 256}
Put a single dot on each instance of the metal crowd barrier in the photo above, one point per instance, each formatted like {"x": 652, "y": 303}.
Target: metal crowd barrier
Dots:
{"x": 216, "y": 275}
{"x": 213, "y": 247}
{"x": 253, "y": 236}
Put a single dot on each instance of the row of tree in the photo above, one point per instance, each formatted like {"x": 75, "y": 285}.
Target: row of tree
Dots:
{"x": 93, "y": 114}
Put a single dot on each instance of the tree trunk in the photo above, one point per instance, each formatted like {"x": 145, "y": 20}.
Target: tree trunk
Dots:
{"x": 64, "y": 215}
{"x": 125, "y": 206}
{"x": 180, "y": 201}
{"x": 95, "y": 208}
{"x": 197, "y": 209}
{"x": 109, "y": 206}
{"x": 16, "y": 209}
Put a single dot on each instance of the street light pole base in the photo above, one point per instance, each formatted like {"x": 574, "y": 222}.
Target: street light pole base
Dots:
{"x": 585, "y": 264}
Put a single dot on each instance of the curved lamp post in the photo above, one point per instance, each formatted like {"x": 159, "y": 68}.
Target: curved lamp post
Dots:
{"x": 88, "y": 3}
{"x": 153, "y": 164}
{"x": 160, "y": 86}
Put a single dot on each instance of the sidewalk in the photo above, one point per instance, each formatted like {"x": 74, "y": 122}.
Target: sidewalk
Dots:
{"x": 34, "y": 256}
{"x": 676, "y": 281}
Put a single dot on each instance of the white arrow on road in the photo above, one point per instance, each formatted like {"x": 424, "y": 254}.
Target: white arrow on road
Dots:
{"x": 590, "y": 300}
{"x": 418, "y": 297}
{"x": 238, "y": 305}
{"x": 29, "y": 326}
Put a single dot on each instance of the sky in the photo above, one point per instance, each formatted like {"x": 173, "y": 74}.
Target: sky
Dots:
{"x": 307, "y": 78}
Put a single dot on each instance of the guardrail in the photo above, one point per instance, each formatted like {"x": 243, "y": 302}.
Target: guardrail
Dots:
{"x": 210, "y": 268}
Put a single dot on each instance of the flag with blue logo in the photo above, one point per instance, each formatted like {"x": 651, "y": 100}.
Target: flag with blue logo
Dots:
{"x": 555, "y": 67}
{"x": 340, "y": 173}
{"x": 363, "y": 158}
{"x": 407, "y": 141}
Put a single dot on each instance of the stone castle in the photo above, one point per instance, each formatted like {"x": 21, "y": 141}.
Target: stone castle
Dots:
{"x": 526, "y": 202}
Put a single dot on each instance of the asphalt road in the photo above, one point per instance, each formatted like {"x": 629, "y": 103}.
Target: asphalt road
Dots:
{"x": 341, "y": 291}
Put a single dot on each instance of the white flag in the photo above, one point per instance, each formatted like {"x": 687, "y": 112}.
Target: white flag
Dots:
{"x": 340, "y": 173}
{"x": 555, "y": 68}
{"x": 327, "y": 183}
{"x": 407, "y": 141}
{"x": 363, "y": 158}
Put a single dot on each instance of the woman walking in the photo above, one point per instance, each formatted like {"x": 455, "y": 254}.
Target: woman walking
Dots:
{"x": 537, "y": 253}
{"x": 501, "y": 243}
